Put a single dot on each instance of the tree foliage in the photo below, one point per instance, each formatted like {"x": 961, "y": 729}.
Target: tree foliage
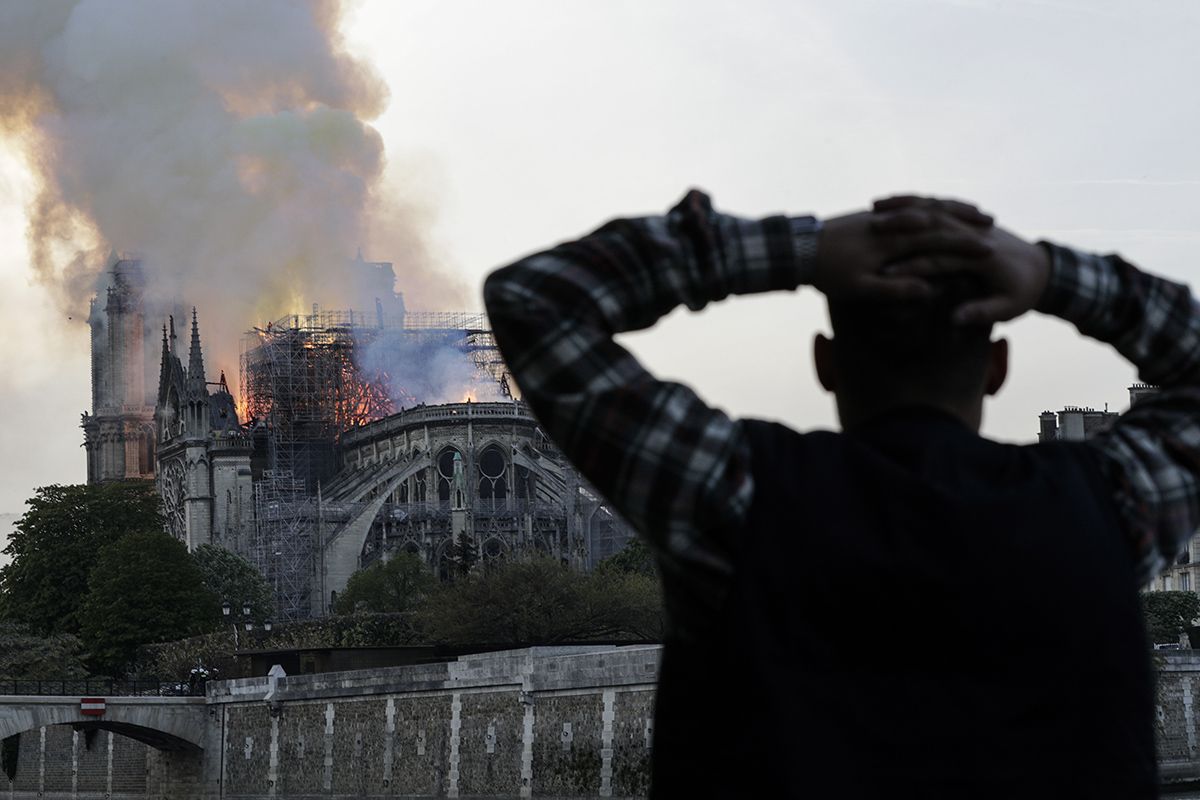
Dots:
{"x": 635, "y": 557}
{"x": 465, "y": 554}
{"x": 542, "y": 602}
{"x": 395, "y": 586}
{"x": 1168, "y": 614}
{"x": 25, "y": 655}
{"x": 228, "y": 576}
{"x": 175, "y": 659}
{"x": 54, "y": 547}
{"x": 145, "y": 587}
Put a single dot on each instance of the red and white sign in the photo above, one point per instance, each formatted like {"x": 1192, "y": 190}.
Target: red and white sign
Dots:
{"x": 91, "y": 706}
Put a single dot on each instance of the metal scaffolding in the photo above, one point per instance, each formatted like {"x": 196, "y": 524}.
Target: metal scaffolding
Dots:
{"x": 300, "y": 376}
{"x": 284, "y": 533}
{"x": 310, "y": 377}
{"x": 445, "y": 320}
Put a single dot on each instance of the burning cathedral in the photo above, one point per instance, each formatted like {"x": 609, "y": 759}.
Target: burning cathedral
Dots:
{"x": 356, "y": 436}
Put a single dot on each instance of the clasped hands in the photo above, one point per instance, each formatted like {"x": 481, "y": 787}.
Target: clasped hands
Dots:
{"x": 897, "y": 251}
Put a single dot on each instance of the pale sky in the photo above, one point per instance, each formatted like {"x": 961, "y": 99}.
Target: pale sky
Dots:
{"x": 519, "y": 124}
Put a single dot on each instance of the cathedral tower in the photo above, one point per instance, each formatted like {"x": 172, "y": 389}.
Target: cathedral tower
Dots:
{"x": 203, "y": 472}
{"x": 119, "y": 431}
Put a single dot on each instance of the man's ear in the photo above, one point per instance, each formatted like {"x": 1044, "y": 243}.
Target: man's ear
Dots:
{"x": 823, "y": 361}
{"x": 997, "y": 369}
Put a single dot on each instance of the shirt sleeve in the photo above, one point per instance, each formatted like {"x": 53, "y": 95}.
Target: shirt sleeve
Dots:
{"x": 1151, "y": 456}
{"x": 676, "y": 469}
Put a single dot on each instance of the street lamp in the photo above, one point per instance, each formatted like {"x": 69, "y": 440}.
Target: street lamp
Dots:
{"x": 247, "y": 620}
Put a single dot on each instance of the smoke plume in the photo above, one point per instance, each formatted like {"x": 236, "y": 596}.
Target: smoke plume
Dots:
{"x": 226, "y": 143}
{"x": 428, "y": 369}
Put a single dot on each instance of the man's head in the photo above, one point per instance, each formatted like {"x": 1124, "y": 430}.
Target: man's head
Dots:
{"x": 886, "y": 354}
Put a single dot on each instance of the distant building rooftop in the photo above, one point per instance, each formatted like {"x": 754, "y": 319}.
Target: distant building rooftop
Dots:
{"x": 1076, "y": 423}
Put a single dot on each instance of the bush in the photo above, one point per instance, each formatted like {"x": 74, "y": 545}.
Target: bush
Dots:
{"x": 229, "y": 577}
{"x": 396, "y": 586}
{"x": 173, "y": 661}
{"x": 1169, "y": 614}
{"x": 26, "y": 656}
{"x": 542, "y": 602}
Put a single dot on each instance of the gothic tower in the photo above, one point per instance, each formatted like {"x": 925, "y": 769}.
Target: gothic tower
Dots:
{"x": 119, "y": 431}
{"x": 203, "y": 470}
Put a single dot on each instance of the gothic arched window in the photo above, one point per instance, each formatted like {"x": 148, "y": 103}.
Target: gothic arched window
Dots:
{"x": 493, "y": 549}
{"x": 445, "y": 468}
{"x": 492, "y": 468}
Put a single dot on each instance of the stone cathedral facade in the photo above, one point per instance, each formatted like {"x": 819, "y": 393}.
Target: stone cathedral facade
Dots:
{"x": 203, "y": 469}
{"x": 452, "y": 483}
{"x": 154, "y": 419}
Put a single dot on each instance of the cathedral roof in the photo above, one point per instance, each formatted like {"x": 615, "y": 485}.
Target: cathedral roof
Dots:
{"x": 223, "y": 411}
{"x": 171, "y": 372}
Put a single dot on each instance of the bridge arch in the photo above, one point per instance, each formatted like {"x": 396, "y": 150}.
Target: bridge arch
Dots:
{"x": 174, "y": 724}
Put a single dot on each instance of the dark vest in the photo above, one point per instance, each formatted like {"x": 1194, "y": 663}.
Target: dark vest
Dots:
{"x": 916, "y": 611}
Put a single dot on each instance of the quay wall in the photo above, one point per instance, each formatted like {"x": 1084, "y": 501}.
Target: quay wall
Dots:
{"x": 540, "y": 722}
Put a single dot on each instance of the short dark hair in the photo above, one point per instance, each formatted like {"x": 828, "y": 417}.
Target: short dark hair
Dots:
{"x": 885, "y": 346}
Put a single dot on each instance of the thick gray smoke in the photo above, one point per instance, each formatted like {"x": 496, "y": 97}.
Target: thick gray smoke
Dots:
{"x": 225, "y": 142}
{"x": 425, "y": 369}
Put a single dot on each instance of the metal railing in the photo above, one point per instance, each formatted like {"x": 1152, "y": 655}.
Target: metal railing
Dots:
{"x": 102, "y": 688}
{"x": 509, "y": 507}
{"x": 420, "y": 415}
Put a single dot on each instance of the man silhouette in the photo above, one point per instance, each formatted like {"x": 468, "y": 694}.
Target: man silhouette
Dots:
{"x": 996, "y": 584}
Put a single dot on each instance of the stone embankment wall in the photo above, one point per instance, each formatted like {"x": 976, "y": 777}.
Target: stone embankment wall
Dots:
{"x": 538, "y": 722}
{"x": 1176, "y": 717}
{"x": 58, "y": 762}
{"x": 544, "y": 722}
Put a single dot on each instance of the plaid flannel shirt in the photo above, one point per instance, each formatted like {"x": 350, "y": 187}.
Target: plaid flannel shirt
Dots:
{"x": 1151, "y": 457}
{"x": 678, "y": 470}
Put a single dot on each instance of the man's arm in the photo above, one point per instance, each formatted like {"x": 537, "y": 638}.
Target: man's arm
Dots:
{"x": 675, "y": 468}
{"x": 678, "y": 470}
{"x": 1152, "y": 454}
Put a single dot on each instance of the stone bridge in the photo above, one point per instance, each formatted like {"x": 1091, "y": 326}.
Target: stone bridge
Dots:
{"x": 165, "y": 723}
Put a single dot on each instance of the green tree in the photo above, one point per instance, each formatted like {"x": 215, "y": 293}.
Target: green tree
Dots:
{"x": 144, "y": 588}
{"x": 398, "y": 585}
{"x": 465, "y": 554}
{"x": 228, "y": 576}
{"x": 25, "y": 655}
{"x": 1169, "y": 614}
{"x": 54, "y": 548}
{"x": 542, "y": 602}
{"x": 634, "y": 557}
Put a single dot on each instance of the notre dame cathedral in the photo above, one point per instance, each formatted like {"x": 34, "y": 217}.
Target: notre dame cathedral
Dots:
{"x": 157, "y": 419}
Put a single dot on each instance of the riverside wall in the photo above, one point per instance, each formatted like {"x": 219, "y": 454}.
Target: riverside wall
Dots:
{"x": 538, "y": 722}
{"x": 554, "y": 722}
{"x": 541, "y": 722}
